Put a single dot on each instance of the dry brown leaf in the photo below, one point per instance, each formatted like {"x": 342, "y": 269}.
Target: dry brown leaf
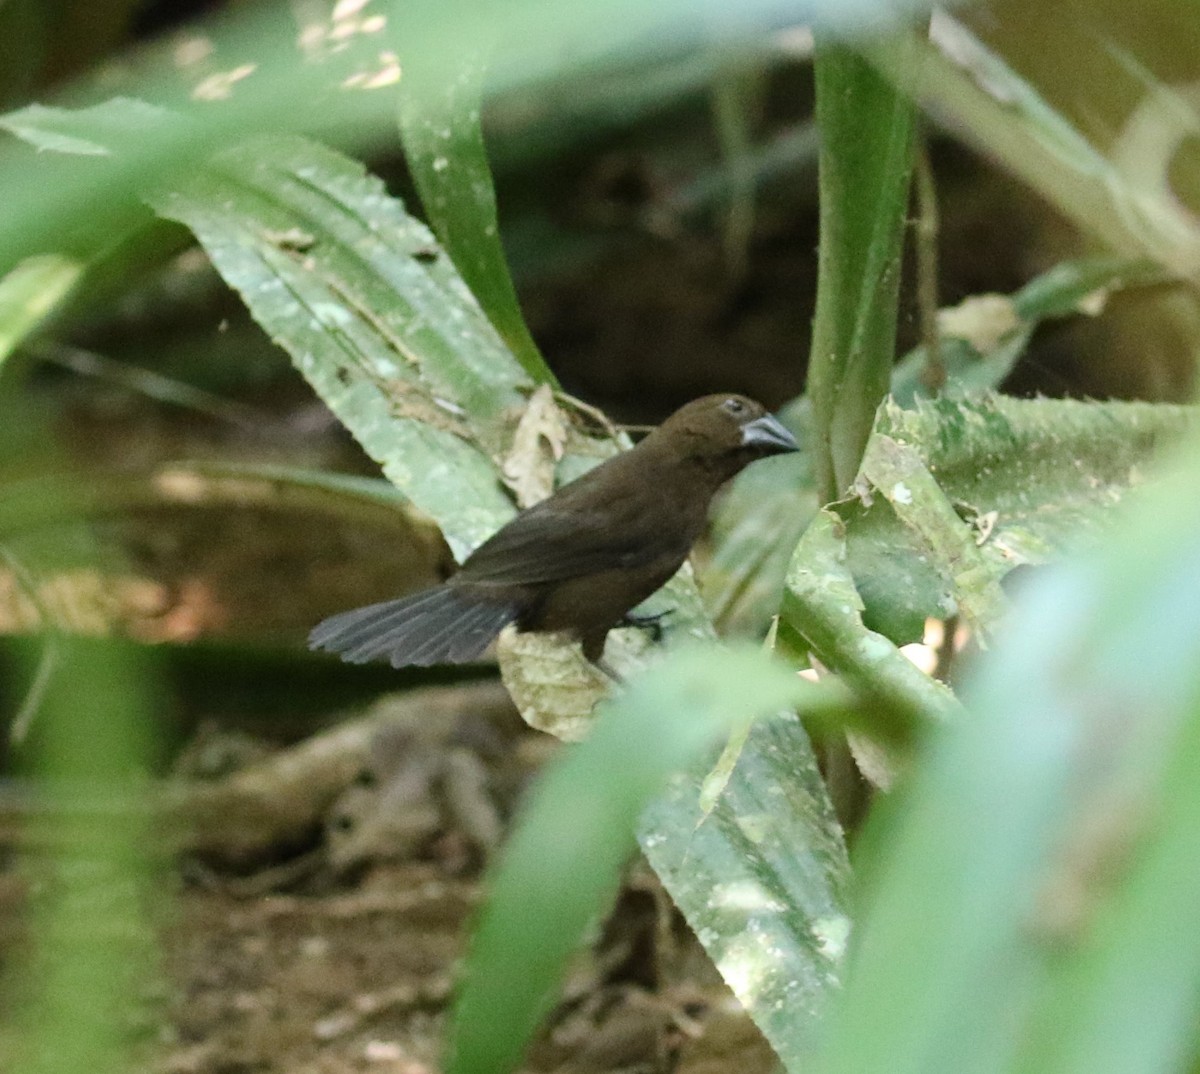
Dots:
{"x": 537, "y": 446}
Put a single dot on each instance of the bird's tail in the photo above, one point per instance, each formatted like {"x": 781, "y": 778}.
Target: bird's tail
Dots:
{"x": 443, "y": 625}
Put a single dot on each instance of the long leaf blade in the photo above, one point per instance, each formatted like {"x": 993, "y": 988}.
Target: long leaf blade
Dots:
{"x": 865, "y": 162}
{"x": 563, "y": 861}
{"x": 441, "y": 127}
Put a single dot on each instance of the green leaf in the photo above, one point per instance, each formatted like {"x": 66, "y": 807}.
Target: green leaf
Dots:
{"x": 562, "y": 862}
{"x": 373, "y": 313}
{"x": 98, "y": 131}
{"x": 764, "y": 514}
{"x": 1031, "y": 899}
{"x": 30, "y": 293}
{"x": 865, "y": 161}
{"x": 287, "y": 91}
{"x": 954, "y": 495}
{"x": 442, "y": 131}
{"x": 761, "y": 876}
{"x": 897, "y": 471}
{"x": 1028, "y": 479}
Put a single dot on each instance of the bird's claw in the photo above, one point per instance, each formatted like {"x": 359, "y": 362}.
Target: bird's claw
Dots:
{"x": 652, "y": 624}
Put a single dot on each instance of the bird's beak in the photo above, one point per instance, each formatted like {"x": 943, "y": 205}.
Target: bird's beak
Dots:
{"x": 765, "y": 434}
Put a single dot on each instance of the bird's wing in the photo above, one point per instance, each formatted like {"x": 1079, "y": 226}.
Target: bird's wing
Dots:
{"x": 554, "y": 541}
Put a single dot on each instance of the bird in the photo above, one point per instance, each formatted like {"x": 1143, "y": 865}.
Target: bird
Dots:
{"x": 580, "y": 560}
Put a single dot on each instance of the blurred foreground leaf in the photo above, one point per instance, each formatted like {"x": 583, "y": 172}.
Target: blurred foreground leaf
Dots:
{"x": 102, "y": 130}
{"x": 563, "y": 861}
{"x": 1034, "y": 892}
{"x": 91, "y": 959}
{"x": 30, "y": 293}
{"x": 321, "y": 90}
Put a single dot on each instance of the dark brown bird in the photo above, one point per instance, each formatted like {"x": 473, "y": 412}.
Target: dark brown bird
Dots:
{"x": 580, "y": 560}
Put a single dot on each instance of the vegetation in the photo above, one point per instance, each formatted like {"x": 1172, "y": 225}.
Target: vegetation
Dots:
{"x": 1020, "y": 892}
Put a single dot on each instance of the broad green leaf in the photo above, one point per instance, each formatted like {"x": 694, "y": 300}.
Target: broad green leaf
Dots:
{"x": 761, "y": 876}
{"x": 563, "y": 861}
{"x": 759, "y": 521}
{"x": 953, "y": 496}
{"x": 1031, "y": 899}
{"x": 1028, "y": 479}
{"x": 441, "y": 128}
{"x": 374, "y": 315}
{"x": 865, "y": 161}
{"x": 30, "y": 293}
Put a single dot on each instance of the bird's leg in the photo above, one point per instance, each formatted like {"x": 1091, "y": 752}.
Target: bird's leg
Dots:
{"x": 592, "y": 644}
{"x": 650, "y": 623}
{"x": 610, "y": 671}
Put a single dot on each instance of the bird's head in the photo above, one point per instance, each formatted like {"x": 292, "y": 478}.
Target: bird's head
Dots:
{"x": 726, "y": 432}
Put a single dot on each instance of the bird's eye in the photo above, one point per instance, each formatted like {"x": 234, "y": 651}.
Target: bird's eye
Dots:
{"x": 734, "y": 406}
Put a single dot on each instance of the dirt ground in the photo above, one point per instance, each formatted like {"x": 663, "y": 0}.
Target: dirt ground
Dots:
{"x": 343, "y": 957}
{"x": 359, "y": 981}
{"x": 314, "y": 913}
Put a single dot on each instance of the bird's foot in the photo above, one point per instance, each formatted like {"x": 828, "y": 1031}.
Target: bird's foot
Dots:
{"x": 652, "y": 624}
